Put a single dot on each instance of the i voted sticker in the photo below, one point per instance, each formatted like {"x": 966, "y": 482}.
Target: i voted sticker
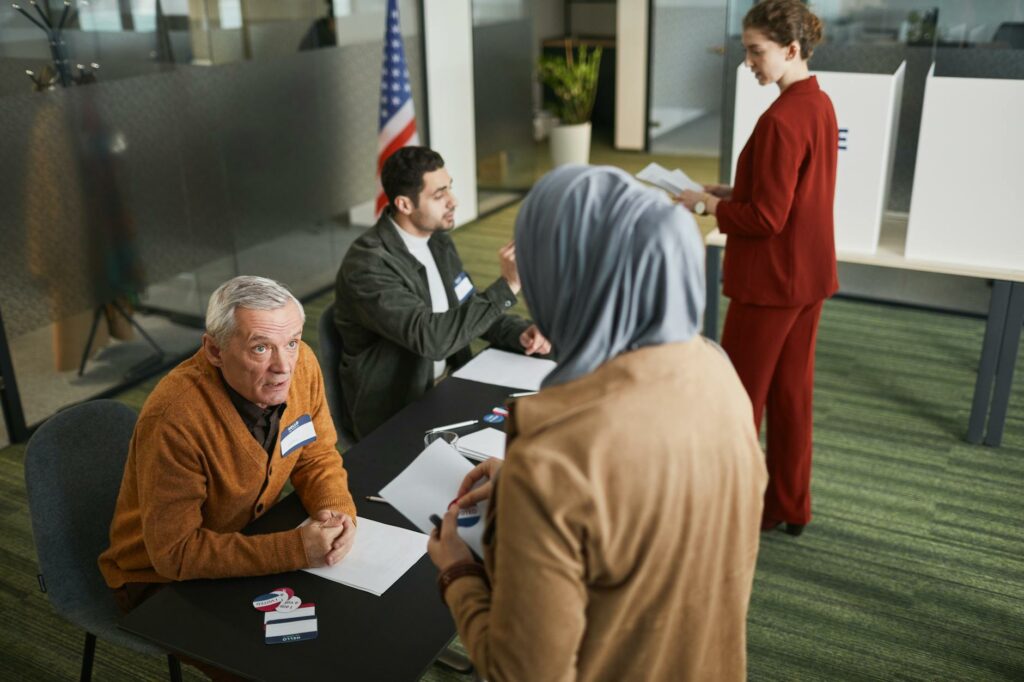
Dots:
{"x": 269, "y": 601}
{"x": 496, "y": 416}
{"x": 289, "y": 604}
{"x": 469, "y": 517}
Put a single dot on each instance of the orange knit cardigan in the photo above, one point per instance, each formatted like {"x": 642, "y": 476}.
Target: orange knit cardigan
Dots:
{"x": 195, "y": 477}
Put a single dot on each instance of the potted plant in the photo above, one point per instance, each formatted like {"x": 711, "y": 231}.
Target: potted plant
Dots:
{"x": 573, "y": 79}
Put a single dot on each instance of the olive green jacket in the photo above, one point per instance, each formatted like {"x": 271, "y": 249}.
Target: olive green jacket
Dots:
{"x": 390, "y": 334}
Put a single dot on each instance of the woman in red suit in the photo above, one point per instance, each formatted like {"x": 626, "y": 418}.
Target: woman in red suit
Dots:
{"x": 780, "y": 260}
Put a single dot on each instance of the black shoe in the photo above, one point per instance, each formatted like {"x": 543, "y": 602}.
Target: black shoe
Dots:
{"x": 793, "y": 529}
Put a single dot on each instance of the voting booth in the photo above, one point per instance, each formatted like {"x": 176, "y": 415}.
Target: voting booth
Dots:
{"x": 867, "y": 109}
{"x": 968, "y": 198}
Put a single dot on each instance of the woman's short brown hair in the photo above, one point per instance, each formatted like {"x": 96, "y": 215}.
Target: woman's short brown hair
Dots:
{"x": 784, "y": 21}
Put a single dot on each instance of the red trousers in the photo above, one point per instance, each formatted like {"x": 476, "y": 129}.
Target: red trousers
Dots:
{"x": 772, "y": 350}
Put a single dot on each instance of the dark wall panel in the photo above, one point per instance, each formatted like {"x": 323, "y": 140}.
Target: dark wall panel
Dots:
{"x": 502, "y": 81}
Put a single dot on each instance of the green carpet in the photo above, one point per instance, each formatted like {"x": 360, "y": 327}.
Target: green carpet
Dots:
{"x": 911, "y": 570}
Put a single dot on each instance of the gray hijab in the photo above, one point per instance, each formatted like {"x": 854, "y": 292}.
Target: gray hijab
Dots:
{"x": 607, "y": 266}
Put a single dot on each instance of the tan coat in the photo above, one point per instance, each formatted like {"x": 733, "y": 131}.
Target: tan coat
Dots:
{"x": 624, "y": 532}
{"x": 195, "y": 477}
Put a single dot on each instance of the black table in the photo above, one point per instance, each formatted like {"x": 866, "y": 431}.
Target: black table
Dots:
{"x": 361, "y": 637}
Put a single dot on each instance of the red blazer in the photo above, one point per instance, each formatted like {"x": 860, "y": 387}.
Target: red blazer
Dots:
{"x": 781, "y": 247}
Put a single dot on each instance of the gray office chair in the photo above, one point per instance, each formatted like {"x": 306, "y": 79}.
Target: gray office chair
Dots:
{"x": 329, "y": 356}
{"x": 73, "y": 468}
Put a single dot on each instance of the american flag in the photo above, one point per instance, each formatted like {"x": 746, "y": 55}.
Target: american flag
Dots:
{"x": 397, "y": 114}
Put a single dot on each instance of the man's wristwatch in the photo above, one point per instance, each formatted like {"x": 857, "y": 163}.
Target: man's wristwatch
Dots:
{"x": 700, "y": 208}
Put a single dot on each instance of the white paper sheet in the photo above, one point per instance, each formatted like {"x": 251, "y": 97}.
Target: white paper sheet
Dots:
{"x": 506, "y": 369}
{"x": 672, "y": 182}
{"x": 482, "y": 444}
{"x": 380, "y": 556}
{"x": 428, "y": 485}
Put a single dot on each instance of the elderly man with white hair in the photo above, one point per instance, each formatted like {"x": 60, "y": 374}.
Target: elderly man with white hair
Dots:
{"x": 213, "y": 447}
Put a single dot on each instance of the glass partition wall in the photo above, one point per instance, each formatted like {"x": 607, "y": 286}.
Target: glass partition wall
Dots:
{"x": 685, "y": 115}
{"x": 194, "y": 140}
{"x": 504, "y": 49}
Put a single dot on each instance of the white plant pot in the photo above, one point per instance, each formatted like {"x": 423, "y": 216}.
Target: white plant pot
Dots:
{"x": 570, "y": 144}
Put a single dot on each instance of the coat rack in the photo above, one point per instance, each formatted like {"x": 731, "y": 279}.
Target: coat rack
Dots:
{"x": 86, "y": 74}
{"x": 54, "y": 37}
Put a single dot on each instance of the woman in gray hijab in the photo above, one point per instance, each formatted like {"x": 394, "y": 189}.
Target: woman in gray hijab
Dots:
{"x": 623, "y": 528}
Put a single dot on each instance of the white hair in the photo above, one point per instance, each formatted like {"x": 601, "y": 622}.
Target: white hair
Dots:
{"x": 244, "y": 291}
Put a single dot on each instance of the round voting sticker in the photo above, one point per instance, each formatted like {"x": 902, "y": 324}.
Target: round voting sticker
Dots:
{"x": 269, "y": 601}
{"x": 289, "y": 604}
{"x": 469, "y": 517}
{"x": 496, "y": 415}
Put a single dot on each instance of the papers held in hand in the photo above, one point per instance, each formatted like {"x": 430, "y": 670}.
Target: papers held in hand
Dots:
{"x": 428, "y": 485}
{"x": 672, "y": 182}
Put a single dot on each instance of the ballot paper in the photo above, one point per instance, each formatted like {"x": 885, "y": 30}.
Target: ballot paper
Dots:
{"x": 429, "y": 485}
{"x": 482, "y": 444}
{"x": 506, "y": 369}
{"x": 672, "y": 182}
{"x": 380, "y": 556}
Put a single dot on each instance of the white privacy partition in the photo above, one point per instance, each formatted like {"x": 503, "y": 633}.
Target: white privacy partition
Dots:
{"x": 968, "y": 202}
{"x": 448, "y": 46}
{"x": 867, "y": 109}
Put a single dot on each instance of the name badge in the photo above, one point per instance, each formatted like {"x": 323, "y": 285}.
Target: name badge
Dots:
{"x": 298, "y": 433}
{"x": 294, "y": 626}
{"x": 463, "y": 287}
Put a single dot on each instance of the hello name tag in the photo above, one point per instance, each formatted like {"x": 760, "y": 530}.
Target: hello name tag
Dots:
{"x": 300, "y": 432}
{"x": 294, "y": 626}
{"x": 463, "y": 287}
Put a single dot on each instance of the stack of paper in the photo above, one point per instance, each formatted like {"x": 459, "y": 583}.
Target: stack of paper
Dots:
{"x": 380, "y": 556}
{"x": 506, "y": 369}
{"x": 428, "y": 486}
{"x": 483, "y": 444}
{"x": 672, "y": 182}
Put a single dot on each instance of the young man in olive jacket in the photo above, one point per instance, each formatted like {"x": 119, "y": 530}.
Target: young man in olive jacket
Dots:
{"x": 404, "y": 306}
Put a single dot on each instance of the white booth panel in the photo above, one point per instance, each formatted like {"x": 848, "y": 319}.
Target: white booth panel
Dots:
{"x": 448, "y": 42}
{"x": 967, "y": 206}
{"x": 631, "y": 73}
{"x": 867, "y": 111}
